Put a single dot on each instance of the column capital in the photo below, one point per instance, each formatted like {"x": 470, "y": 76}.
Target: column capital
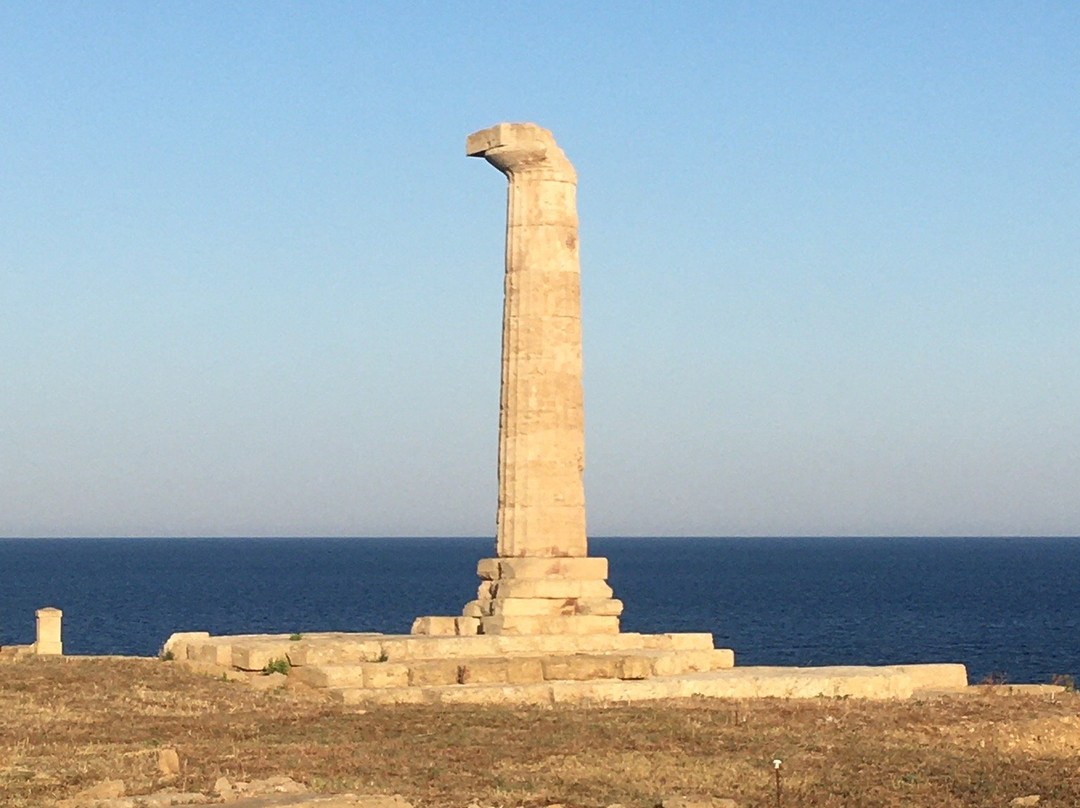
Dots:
{"x": 517, "y": 148}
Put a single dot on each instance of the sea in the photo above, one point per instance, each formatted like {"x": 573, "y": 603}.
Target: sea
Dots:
{"x": 1008, "y": 608}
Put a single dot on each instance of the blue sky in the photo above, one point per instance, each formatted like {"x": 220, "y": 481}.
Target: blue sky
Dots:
{"x": 251, "y": 285}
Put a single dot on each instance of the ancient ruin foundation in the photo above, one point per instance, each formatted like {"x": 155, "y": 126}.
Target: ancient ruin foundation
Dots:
{"x": 544, "y": 628}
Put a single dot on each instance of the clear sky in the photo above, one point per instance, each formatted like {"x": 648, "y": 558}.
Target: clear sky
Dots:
{"x": 251, "y": 285}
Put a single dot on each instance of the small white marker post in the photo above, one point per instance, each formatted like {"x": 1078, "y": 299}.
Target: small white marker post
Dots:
{"x": 776, "y": 767}
{"x": 48, "y": 632}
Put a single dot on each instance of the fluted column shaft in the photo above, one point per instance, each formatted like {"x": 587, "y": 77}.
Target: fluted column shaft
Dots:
{"x": 541, "y": 509}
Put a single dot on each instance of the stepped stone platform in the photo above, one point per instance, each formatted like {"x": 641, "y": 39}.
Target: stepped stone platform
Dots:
{"x": 373, "y": 669}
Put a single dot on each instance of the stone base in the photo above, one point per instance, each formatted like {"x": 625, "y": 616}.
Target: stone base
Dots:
{"x": 878, "y": 683}
{"x": 16, "y": 652}
{"x": 533, "y": 595}
{"x": 541, "y": 669}
{"x": 548, "y": 624}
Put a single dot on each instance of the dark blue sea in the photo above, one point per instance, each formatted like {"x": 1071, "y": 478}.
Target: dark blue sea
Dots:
{"x": 1009, "y": 607}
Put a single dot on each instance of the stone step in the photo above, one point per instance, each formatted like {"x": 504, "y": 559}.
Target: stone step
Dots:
{"x": 513, "y": 669}
{"x": 886, "y": 682}
{"x": 545, "y": 607}
{"x": 549, "y": 624}
{"x": 248, "y": 652}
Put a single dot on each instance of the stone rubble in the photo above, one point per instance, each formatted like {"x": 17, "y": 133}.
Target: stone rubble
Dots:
{"x": 269, "y": 793}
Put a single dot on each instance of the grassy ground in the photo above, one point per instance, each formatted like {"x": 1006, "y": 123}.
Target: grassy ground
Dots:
{"x": 66, "y": 724}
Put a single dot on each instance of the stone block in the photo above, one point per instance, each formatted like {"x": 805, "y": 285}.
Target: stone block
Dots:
{"x": 467, "y": 625}
{"x": 255, "y": 655}
{"x": 939, "y": 677}
{"x": 723, "y": 658}
{"x": 581, "y": 667}
{"x": 634, "y": 666}
{"x": 492, "y": 694}
{"x": 532, "y": 606}
{"x": 551, "y": 588}
{"x": 474, "y": 608}
{"x": 178, "y": 643}
{"x": 676, "y": 663}
{"x": 214, "y": 653}
{"x": 488, "y": 568}
{"x": 550, "y": 624}
{"x": 524, "y": 670}
{"x": 331, "y": 675}
{"x": 385, "y": 674}
{"x": 678, "y": 642}
{"x": 587, "y": 568}
{"x": 48, "y": 642}
{"x": 482, "y": 671}
{"x": 433, "y": 672}
{"x": 609, "y": 607}
{"x": 336, "y": 651}
{"x": 420, "y": 647}
{"x": 168, "y": 762}
{"x": 612, "y": 691}
{"x": 434, "y": 626}
{"x": 795, "y": 683}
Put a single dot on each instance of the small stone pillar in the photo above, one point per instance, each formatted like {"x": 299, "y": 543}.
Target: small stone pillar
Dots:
{"x": 48, "y": 632}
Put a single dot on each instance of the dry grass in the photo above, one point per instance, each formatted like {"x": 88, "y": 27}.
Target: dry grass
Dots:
{"x": 66, "y": 724}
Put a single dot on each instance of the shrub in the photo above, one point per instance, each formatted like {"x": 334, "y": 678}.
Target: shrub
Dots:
{"x": 280, "y": 665}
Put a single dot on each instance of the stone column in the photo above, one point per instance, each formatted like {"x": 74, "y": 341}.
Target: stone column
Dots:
{"x": 541, "y": 509}
{"x": 48, "y": 632}
{"x": 542, "y": 581}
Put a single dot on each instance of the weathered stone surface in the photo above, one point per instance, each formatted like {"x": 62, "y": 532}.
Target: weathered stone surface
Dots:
{"x": 435, "y": 626}
{"x": 105, "y": 790}
{"x": 433, "y": 672}
{"x": 634, "y": 667}
{"x": 533, "y": 607}
{"x": 483, "y": 672}
{"x": 254, "y": 655}
{"x": 168, "y": 762}
{"x": 327, "y": 651}
{"x": 679, "y": 642}
{"x": 723, "y": 658}
{"x": 677, "y": 663}
{"x": 224, "y": 789}
{"x": 385, "y": 674}
{"x": 176, "y": 647}
{"x": 524, "y": 670}
{"x": 11, "y": 653}
{"x": 270, "y": 681}
{"x": 559, "y": 624}
{"x": 211, "y": 653}
{"x": 578, "y": 588}
{"x": 541, "y": 421}
{"x": 940, "y": 677}
{"x": 604, "y": 607}
{"x": 48, "y": 632}
{"x": 467, "y": 625}
{"x": 581, "y": 667}
{"x": 590, "y": 568}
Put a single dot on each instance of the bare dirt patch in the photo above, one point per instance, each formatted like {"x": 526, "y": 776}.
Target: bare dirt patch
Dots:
{"x": 66, "y": 724}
